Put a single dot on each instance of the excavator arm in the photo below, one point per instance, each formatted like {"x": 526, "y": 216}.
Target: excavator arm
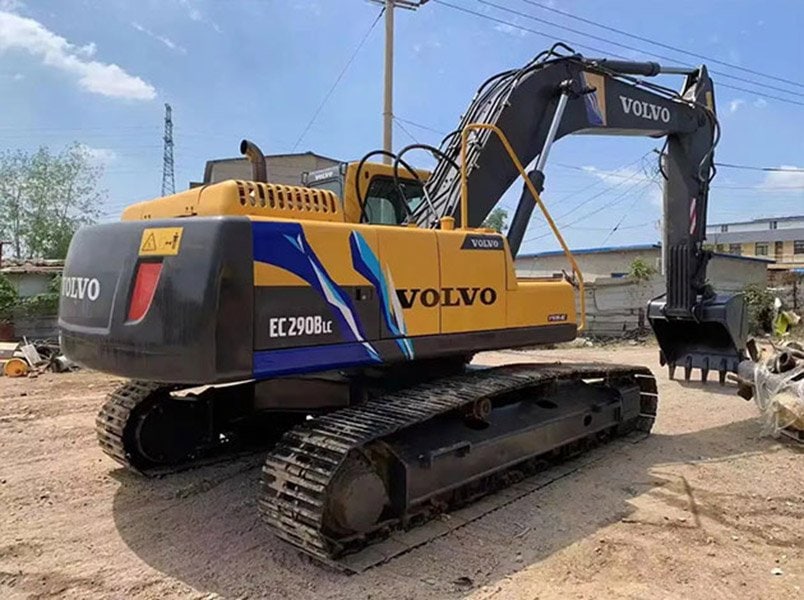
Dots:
{"x": 558, "y": 95}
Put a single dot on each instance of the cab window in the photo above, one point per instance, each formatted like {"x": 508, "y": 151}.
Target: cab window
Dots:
{"x": 384, "y": 204}
{"x": 333, "y": 185}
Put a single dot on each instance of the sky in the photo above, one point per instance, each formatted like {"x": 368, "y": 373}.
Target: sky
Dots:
{"x": 98, "y": 72}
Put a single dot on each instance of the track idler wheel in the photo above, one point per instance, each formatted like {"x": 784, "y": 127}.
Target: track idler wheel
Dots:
{"x": 357, "y": 498}
{"x": 164, "y": 430}
{"x": 169, "y": 431}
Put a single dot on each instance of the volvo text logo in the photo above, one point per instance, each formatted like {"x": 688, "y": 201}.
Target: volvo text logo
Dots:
{"x": 457, "y": 296}
{"x": 644, "y": 109}
{"x": 80, "y": 288}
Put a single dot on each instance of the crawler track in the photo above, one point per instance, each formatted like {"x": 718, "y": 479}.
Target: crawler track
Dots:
{"x": 299, "y": 472}
{"x": 115, "y": 417}
{"x": 194, "y": 437}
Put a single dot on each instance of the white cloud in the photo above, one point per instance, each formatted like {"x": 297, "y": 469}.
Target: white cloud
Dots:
{"x": 760, "y": 103}
{"x": 192, "y": 11}
{"x": 420, "y": 47}
{"x": 784, "y": 182}
{"x": 311, "y": 6}
{"x": 735, "y": 105}
{"x": 100, "y": 156}
{"x": 510, "y": 30}
{"x": 197, "y": 16}
{"x": 21, "y": 33}
{"x": 11, "y": 5}
{"x": 160, "y": 38}
{"x": 630, "y": 178}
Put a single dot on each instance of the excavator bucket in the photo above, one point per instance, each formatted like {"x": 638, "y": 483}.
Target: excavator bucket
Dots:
{"x": 714, "y": 341}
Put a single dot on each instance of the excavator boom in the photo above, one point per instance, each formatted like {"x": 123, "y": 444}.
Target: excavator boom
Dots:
{"x": 557, "y": 95}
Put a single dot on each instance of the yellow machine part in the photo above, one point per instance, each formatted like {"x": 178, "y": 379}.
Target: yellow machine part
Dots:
{"x": 15, "y": 367}
{"x": 351, "y": 204}
{"x": 449, "y": 288}
{"x": 246, "y": 198}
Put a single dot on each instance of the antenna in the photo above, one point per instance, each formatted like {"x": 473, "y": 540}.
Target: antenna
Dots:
{"x": 168, "y": 181}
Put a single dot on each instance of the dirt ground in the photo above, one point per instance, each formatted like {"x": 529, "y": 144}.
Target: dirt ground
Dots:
{"x": 704, "y": 508}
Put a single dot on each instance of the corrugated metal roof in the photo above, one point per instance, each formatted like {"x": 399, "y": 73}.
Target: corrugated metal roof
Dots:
{"x": 740, "y": 257}
{"x": 760, "y": 220}
{"x": 599, "y": 250}
{"x": 631, "y": 248}
{"x": 757, "y": 235}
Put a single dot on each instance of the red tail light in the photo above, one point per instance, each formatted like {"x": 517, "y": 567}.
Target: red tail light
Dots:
{"x": 144, "y": 288}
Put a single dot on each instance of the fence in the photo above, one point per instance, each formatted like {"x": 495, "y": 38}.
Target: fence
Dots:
{"x": 618, "y": 306}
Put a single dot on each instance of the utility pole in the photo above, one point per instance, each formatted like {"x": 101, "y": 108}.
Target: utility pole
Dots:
{"x": 168, "y": 181}
{"x": 388, "y": 90}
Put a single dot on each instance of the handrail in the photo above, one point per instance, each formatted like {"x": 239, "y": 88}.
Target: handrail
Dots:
{"x": 533, "y": 192}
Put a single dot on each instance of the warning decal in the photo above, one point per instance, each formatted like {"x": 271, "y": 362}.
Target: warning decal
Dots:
{"x": 160, "y": 241}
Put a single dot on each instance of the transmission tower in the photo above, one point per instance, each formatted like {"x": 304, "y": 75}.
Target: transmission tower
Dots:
{"x": 168, "y": 181}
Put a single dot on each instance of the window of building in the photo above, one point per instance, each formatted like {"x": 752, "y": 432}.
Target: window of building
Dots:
{"x": 798, "y": 247}
{"x": 761, "y": 249}
{"x": 735, "y": 249}
{"x": 778, "y": 250}
{"x": 724, "y": 228}
{"x": 774, "y": 224}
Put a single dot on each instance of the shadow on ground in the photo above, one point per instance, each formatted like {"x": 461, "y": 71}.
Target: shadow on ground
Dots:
{"x": 201, "y": 527}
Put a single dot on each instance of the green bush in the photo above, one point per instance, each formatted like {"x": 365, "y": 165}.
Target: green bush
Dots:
{"x": 8, "y": 298}
{"x": 45, "y": 305}
{"x": 759, "y": 302}
{"x": 641, "y": 270}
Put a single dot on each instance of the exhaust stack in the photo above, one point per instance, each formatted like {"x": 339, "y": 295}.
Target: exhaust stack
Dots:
{"x": 251, "y": 151}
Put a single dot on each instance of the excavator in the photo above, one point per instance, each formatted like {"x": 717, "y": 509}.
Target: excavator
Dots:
{"x": 334, "y": 322}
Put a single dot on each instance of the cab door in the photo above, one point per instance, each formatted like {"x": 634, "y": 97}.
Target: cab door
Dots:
{"x": 473, "y": 272}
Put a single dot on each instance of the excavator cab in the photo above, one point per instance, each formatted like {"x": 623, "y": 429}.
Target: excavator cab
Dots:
{"x": 371, "y": 192}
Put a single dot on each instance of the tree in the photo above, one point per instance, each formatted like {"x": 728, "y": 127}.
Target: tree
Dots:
{"x": 46, "y": 197}
{"x": 640, "y": 270}
{"x": 8, "y": 298}
{"x": 496, "y": 220}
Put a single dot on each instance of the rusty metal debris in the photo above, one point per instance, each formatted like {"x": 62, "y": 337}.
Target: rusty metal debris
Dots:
{"x": 775, "y": 381}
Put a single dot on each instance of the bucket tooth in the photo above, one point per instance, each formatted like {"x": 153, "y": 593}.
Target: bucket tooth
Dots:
{"x": 671, "y": 370}
{"x": 705, "y": 371}
{"x": 724, "y": 368}
{"x": 687, "y": 368}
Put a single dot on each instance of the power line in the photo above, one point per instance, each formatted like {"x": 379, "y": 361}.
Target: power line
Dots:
{"x": 626, "y": 46}
{"x": 604, "y": 52}
{"x": 717, "y": 187}
{"x": 635, "y": 226}
{"x": 337, "y": 80}
{"x": 404, "y": 129}
{"x": 605, "y": 190}
{"x": 661, "y": 44}
{"x": 626, "y": 214}
{"x": 615, "y": 200}
{"x": 719, "y": 164}
{"x": 637, "y": 49}
{"x": 420, "y": 126}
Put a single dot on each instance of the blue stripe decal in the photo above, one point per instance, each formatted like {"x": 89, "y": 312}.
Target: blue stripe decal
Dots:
{"x": 291, "y": 361}
{"x": 366, "y": 263}
{"x": 285, "y": 246}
